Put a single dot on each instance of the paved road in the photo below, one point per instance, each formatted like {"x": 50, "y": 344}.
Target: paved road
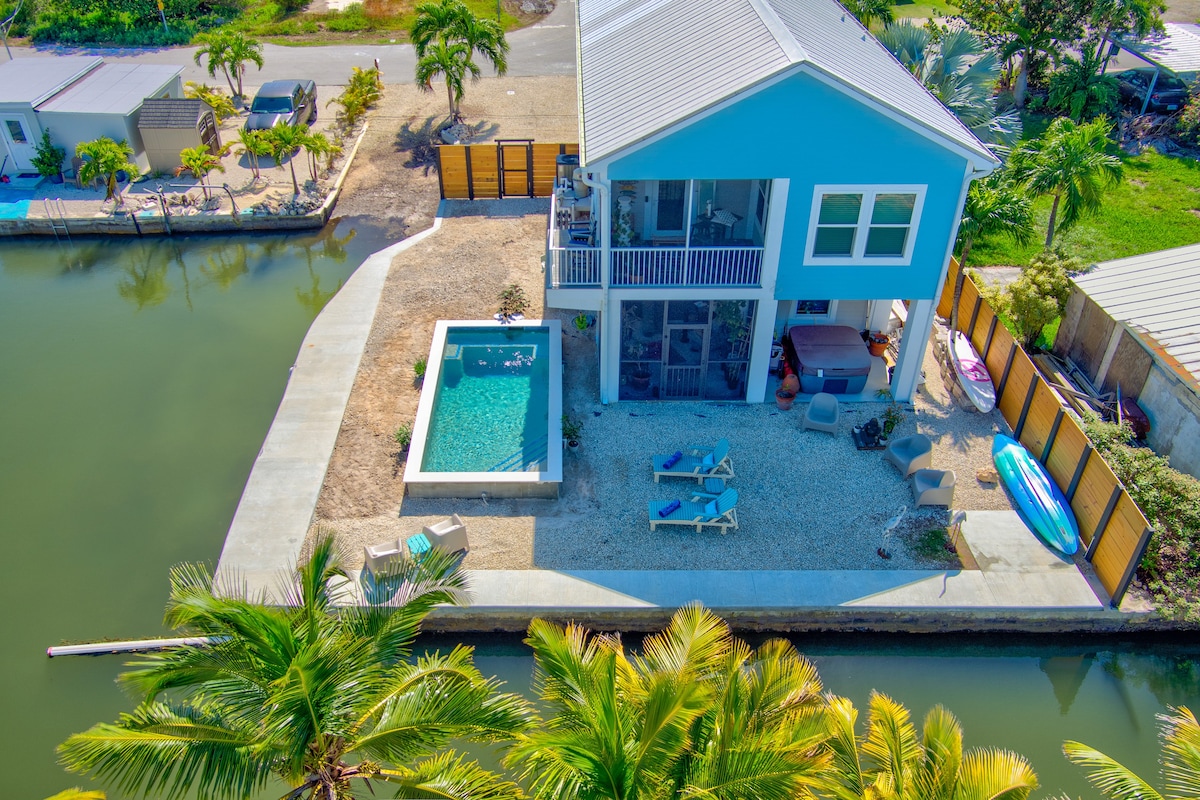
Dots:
{"x": 547, "y": 48}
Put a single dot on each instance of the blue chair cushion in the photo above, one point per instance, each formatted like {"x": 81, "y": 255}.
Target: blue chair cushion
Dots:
{"x": 708, "y": 460}
{"x": 711, "y": 509}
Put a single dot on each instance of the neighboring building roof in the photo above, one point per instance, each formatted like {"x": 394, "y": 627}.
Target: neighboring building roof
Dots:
{"x": 1178, "y": 50}
{"x": 1157, "y": 295}
{"x": 34, "y": 80}
{"x": 113, "y": 89}
{"x": 679, "y": 57}
{"x": 172, "y": 112}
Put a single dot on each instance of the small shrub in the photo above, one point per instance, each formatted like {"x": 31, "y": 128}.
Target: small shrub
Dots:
{"x": 571, "y": 428}
{"x": 513, "y": 301}
{"x": 1037, "y": 298}
{"x": 419, "y": 370}
{"x": 221, "y": 103}
{"x": 892, "y": 416}
{"x": 49, "y": 157}
{"x": 1187, "y": 124}
{"x": 349, "y": 19}
{"x": 361, "y": 93}
{"x": 403, "y": 436}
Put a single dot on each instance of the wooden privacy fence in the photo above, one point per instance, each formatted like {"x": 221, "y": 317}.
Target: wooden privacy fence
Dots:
{"x": 1110, "y": 523}
{"x": 504, "y": 168}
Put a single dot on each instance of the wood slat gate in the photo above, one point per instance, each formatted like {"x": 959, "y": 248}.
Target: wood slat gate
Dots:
{"x": 504, "y": 168}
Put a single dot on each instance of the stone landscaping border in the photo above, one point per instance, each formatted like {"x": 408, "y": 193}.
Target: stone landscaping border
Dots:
{"x": 156, "y": 225}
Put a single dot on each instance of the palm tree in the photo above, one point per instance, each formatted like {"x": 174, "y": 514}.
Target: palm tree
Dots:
{"x": 200, "y": 162}
{"x": 960, "y": 72}
{"x": 995, "y": 206}
{"x": 286, "y": 140}
{"x": 1180, "y": 763}
{"x": 1080, "y": 90}
{"x": 254, "y": 145}
{"x": 104, "y": 158}
{"x": 891, "y": 761}
{"x": 317, "y": 145}
{"x": 1069, "y": 162}
{"x": 868, "y": 11}
{"x": 451, "y": 62}
{"x": 229, "y": 51}
{"x": 446, "y": 36}
{"x": 698, "y": 713}
{"x": 320, "y": 697}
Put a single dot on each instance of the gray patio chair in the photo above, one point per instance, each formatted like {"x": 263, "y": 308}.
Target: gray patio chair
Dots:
{"x": 378, "y": 557}
{"x": 933, "y": 487}
{"x": 910, "y": 453}
{"x": 450, "y": 535}
{"x": 822, "y": 413}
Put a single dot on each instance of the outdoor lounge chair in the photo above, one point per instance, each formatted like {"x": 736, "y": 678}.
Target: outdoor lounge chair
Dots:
{"x": 696, "y": 462}
{"x": 719, "y": 513}
{"x": 822, "y": 413}
{"x": 450, "y": 534}
{"x": 378, "y": 557}
{"x": 933, "y": 487}
{"x": 910, "y": 453}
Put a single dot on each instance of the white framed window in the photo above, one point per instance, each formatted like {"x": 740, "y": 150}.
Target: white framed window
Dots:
{"x": 863, "y": 224}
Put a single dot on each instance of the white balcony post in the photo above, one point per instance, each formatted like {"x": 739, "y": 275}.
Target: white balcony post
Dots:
{"x": 907, "y": 374}
{"x": 764, "y": 314}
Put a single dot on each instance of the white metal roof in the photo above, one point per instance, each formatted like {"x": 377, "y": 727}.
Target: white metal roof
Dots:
{"x": 648, "y": 64}
{"x": 113, "y": 89}
{"x": 1158, "y": 296}
{"x": 1178, "y": 50}
{"x": 34, "y": 80}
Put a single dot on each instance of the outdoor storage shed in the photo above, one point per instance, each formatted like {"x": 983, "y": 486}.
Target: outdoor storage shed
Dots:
{"x": 1134, "y": 324}
{"x": 107, "y": 103}
{"x": 169, "y": 125}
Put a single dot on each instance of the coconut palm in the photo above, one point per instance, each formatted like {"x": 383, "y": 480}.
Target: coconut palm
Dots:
{"x": 327, "y": 702}
{"x": 870, "y": 11}
{"x": 230, "y": 52}
{"x": 891, "y": 761}
{"x": 104, "y": 158}
{"x": 446, "y": 36}
{"x": 254, "y": 145}
{"x": 1071, "y": 163}
{"x": 450, "y": 62}
{"x": 994, "y": 206}
{"x": 286, "y": 141}
{"x": 960, "y": 72}
{"x": 1180, "y": 763}
{"x": 318, "y": 145}
{"x": 698, "y": 713}
{"x": 200, "y": 162}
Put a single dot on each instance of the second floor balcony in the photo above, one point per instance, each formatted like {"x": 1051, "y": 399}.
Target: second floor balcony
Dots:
{"x": 661, "y": 233}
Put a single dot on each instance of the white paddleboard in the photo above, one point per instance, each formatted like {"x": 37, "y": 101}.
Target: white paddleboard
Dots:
{"x": 972, "y": 373}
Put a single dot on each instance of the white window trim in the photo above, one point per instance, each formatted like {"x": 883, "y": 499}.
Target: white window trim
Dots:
{"x": 869, "y": 193}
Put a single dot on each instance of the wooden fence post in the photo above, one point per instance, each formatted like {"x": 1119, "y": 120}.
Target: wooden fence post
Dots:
{"x": 1102, "y": 523}
{"x": 1012, "y": 354}
{"x": 1131, "y": 568}
{"x": 1058, "y": 418}
{"x": 1079, "y": 468}
{"x": 987, "y": 345}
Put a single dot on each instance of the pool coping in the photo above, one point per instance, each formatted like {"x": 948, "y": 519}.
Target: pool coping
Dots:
{"x": 497, "y": 484}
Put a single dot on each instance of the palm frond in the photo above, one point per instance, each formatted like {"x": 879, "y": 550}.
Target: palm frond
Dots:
{"x": 1109, "y": 776}
{"x": 1181, "y": 752}
{"x": 995, "y": 775}
{"x": 449, "y": 776}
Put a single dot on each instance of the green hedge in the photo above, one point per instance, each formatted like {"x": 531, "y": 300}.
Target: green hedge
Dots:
{"x": 127, "y": 22}
{"x": 1170, "y": 499}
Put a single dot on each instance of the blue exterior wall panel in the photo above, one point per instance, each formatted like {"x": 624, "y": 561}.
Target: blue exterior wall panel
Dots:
{"x": 809, "y": 132}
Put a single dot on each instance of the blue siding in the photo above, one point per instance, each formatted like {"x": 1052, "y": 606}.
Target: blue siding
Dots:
{"x": 806, "y": 131}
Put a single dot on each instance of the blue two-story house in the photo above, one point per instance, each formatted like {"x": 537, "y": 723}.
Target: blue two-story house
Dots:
{"x": 748, "y": 166}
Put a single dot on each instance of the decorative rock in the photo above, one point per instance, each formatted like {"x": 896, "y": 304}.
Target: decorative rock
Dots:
{"x": 458, "y": 133}
{"x": 987, "y": 475}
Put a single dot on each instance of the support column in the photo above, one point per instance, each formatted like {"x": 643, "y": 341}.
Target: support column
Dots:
{"x": 912, "y": 350}
{"x": 767, "y": 308}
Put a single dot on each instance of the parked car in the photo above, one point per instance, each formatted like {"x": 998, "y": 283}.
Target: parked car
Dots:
{"x": 1170, "y": 93}
{"x": 283, "y": 103}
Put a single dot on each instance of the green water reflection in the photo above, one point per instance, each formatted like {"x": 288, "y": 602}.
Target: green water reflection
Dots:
{"x": 137, "y": 381}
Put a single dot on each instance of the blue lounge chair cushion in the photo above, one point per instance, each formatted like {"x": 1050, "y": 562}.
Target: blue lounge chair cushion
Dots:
{"x": 667, "y": 510}
{"x": 708, "y": 460}
{"x": 672, "y": 459}
{"x": 711, "y": 509}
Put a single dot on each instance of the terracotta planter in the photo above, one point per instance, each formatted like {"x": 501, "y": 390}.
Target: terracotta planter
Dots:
{"x": 877, "y": 344}
{"x": 784, "y": 399}
{"x": 790, "y": 384}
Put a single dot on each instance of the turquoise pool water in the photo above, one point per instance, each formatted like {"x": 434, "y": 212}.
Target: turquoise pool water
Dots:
{"x": 491, "y": 411}
{"x": 14, "y": 204}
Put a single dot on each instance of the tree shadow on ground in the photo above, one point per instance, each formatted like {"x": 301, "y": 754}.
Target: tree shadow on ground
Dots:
{"x": 421, "y": 143}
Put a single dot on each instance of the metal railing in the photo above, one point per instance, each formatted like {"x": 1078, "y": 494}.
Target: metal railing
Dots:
{"x": 694, "y": 266}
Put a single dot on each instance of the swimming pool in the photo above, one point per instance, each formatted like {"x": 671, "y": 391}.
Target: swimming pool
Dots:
{"x": 490, "y": 410}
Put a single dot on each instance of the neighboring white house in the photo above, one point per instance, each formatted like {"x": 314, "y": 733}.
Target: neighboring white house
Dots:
{"x": 1133, "y": 324}
{"x": 79, "y": 98}
{"x": 749, "y": 167}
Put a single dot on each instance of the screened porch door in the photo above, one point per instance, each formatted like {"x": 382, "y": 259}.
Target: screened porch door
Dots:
{"x": 684, "y": 359}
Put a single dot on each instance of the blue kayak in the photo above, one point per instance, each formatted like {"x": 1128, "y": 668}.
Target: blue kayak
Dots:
{"x": 1040, "y": 502}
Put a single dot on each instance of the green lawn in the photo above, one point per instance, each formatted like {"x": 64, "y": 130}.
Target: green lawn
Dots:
{"x": 923, "y": 9}
{"x": 1155, "y": 207}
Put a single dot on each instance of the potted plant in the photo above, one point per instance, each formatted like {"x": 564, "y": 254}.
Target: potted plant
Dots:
{"x": 581, "y": 322}
{"x": 48, "y": 159}
{"x": 513, "y": 303}
{"x": 785, "y": 395}
{"x": 893, "y": 415}
{"x": 877, "y": 343}
{"x": 571, "y": 429}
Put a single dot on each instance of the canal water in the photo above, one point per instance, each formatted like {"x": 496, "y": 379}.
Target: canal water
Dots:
{"x": 137, "y": 381}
